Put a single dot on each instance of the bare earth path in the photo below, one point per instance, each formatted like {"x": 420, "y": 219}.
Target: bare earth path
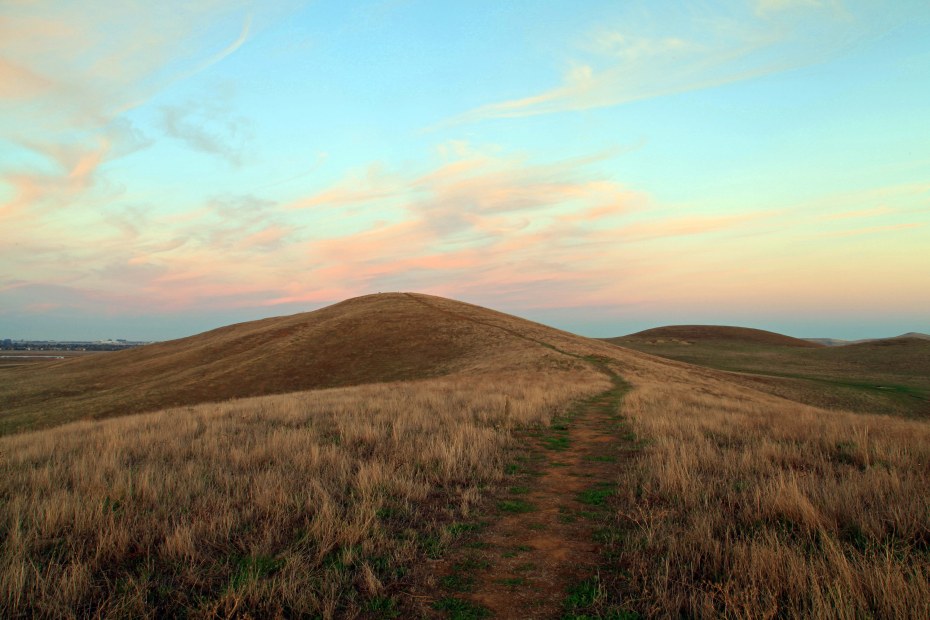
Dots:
{"x": 535, "y": 554}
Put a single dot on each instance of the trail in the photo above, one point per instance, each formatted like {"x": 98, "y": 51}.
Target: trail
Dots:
{"x": 540, "y": 539}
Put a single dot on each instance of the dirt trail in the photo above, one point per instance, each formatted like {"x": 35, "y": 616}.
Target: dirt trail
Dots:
{"x": 523, "y": 559}
{"x": 540, "y": 539}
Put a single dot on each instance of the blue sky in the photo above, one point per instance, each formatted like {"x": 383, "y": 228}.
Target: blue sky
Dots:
{"x": 167, "y": 168}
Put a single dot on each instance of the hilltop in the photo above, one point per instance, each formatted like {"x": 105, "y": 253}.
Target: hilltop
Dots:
{"x": 690, "y": 334}
{"x": 837, "y": 342}
{"x": 464, "y": 447}
{"x": 369, "y": 339}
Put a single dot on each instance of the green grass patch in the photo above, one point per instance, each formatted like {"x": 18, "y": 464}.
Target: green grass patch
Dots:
{"x": 519, "y": 490}
{"x": 457, "y": 529}
{"x": 515, "y": 506}
{"x": 459, "y": 609}
{"x": 558, "y": 443}
{"x": 472, "y": 563}
{"x": 595, "y": 497}
{"x": 513, "y": 582}
{"x": 458, "y": 582}
{"x": 382, "y": 607}
{"x": 253, "y": 568}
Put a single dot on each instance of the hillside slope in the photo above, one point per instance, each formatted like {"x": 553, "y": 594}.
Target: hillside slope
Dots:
{"x": 605, "y": 461}
{"x": 876, "y": 376}
{"x": 689, "y": 334}
{"x": 375, "y": 338}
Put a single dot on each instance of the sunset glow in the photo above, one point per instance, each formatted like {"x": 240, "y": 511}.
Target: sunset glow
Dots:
{"x": 602, "y": 167}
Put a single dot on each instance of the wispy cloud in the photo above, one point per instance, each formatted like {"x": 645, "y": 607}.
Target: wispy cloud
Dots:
{"x": 700, "y": 50}
{"x": 209, "y": 126}
{"x": 69, "y": 73}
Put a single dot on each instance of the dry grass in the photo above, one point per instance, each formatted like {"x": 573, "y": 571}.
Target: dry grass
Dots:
{"x": 889, "y": 376}
{"x": 742, "y": 504}
{"x": 301, "y": 504}
{"x": 375, "y": 338}
{"x": 750, "y": 506}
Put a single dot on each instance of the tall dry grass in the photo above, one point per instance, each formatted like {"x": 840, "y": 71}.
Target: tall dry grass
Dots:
{"x": 302, "y": 504}
{"x": 749, "y": 506}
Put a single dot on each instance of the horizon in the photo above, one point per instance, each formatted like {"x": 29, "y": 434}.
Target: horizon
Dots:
{"x": 167, "y": 169}
{"x": 602, "y": 330}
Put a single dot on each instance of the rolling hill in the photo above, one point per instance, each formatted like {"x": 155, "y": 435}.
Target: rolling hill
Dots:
{"x": 890, "y": 375}
{"x": 451, "y": 448}
{"x": 690, "y": 334}
{"x": 375, "y": 338}
{"x": 837, "y": 342}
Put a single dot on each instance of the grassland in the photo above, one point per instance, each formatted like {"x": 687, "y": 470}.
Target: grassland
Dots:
{"x": 314, "y": 503}
{"x": 746, "y": 505}
{"x": 376, "y": 338}
{"x": 711, "y": 498}
{"x": 883, "y": 376}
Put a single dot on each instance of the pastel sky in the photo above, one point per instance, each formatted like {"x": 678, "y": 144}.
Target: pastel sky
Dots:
{"x": 601, "y": 166}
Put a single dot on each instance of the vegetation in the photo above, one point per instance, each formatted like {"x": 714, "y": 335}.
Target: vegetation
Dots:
{"x": 283, "y": 504}
{"x": 487, "y": 464}
{"x": 746, "y": 505}
{"x": 883, "y": 376}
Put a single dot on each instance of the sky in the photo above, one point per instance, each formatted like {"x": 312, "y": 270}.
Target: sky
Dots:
{"x": 601, "y": 166}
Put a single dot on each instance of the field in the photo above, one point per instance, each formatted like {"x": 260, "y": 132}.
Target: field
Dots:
{"x": 19, "y": 358}
{"x": 511, "y": 470}
{"x": 883, "y": 376}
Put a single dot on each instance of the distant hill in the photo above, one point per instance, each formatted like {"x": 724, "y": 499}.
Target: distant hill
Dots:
{"x": 690, "y": 334}
{"x": 836, "y": 342}
{"x": 375, "y": 338}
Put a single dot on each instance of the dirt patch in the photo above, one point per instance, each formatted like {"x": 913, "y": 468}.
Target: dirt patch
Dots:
{"x": 539, "y": 539}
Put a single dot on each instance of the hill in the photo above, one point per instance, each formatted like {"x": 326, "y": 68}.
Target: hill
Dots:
{"x": 890, "y": 375}
{"x": 375, "y": 338}
{"x": 514, "y": 446}
{"x": 837, "y": 342}
{"x": 690, "y": 334}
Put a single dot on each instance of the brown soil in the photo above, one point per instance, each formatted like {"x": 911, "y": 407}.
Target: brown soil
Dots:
{"x": 523, "y": 564}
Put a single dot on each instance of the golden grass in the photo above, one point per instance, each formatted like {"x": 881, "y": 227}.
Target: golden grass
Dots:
{"x": 749, "y": 506}
{"x": 741, "y": 505}
{"x": 375, "y": 338}
{"x": 300, "y": 504}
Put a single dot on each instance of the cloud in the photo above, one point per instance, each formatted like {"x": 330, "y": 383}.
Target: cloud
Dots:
{"x": 693, "y": 50}
{"x": 208, "y": 126}
{"x": 774, "y": 6}
{"x": 69, "y": 74}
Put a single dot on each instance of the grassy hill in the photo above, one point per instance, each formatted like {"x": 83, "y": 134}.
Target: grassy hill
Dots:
{"x": 888, "y": 376}
{"x": 692, "y": 334}
{"x": 835, "y": 342}
{"x": 538, "y": 469}
{"x": 376, "y": 338}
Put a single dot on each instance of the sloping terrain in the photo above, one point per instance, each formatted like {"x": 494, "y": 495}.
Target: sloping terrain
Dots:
{"x": 376, "y": 338}
{"x": 691, "y": 334}
{"x": 836, "y": 342}
{"x": 514, "y": 448}
{"x": 889, "y": 375}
